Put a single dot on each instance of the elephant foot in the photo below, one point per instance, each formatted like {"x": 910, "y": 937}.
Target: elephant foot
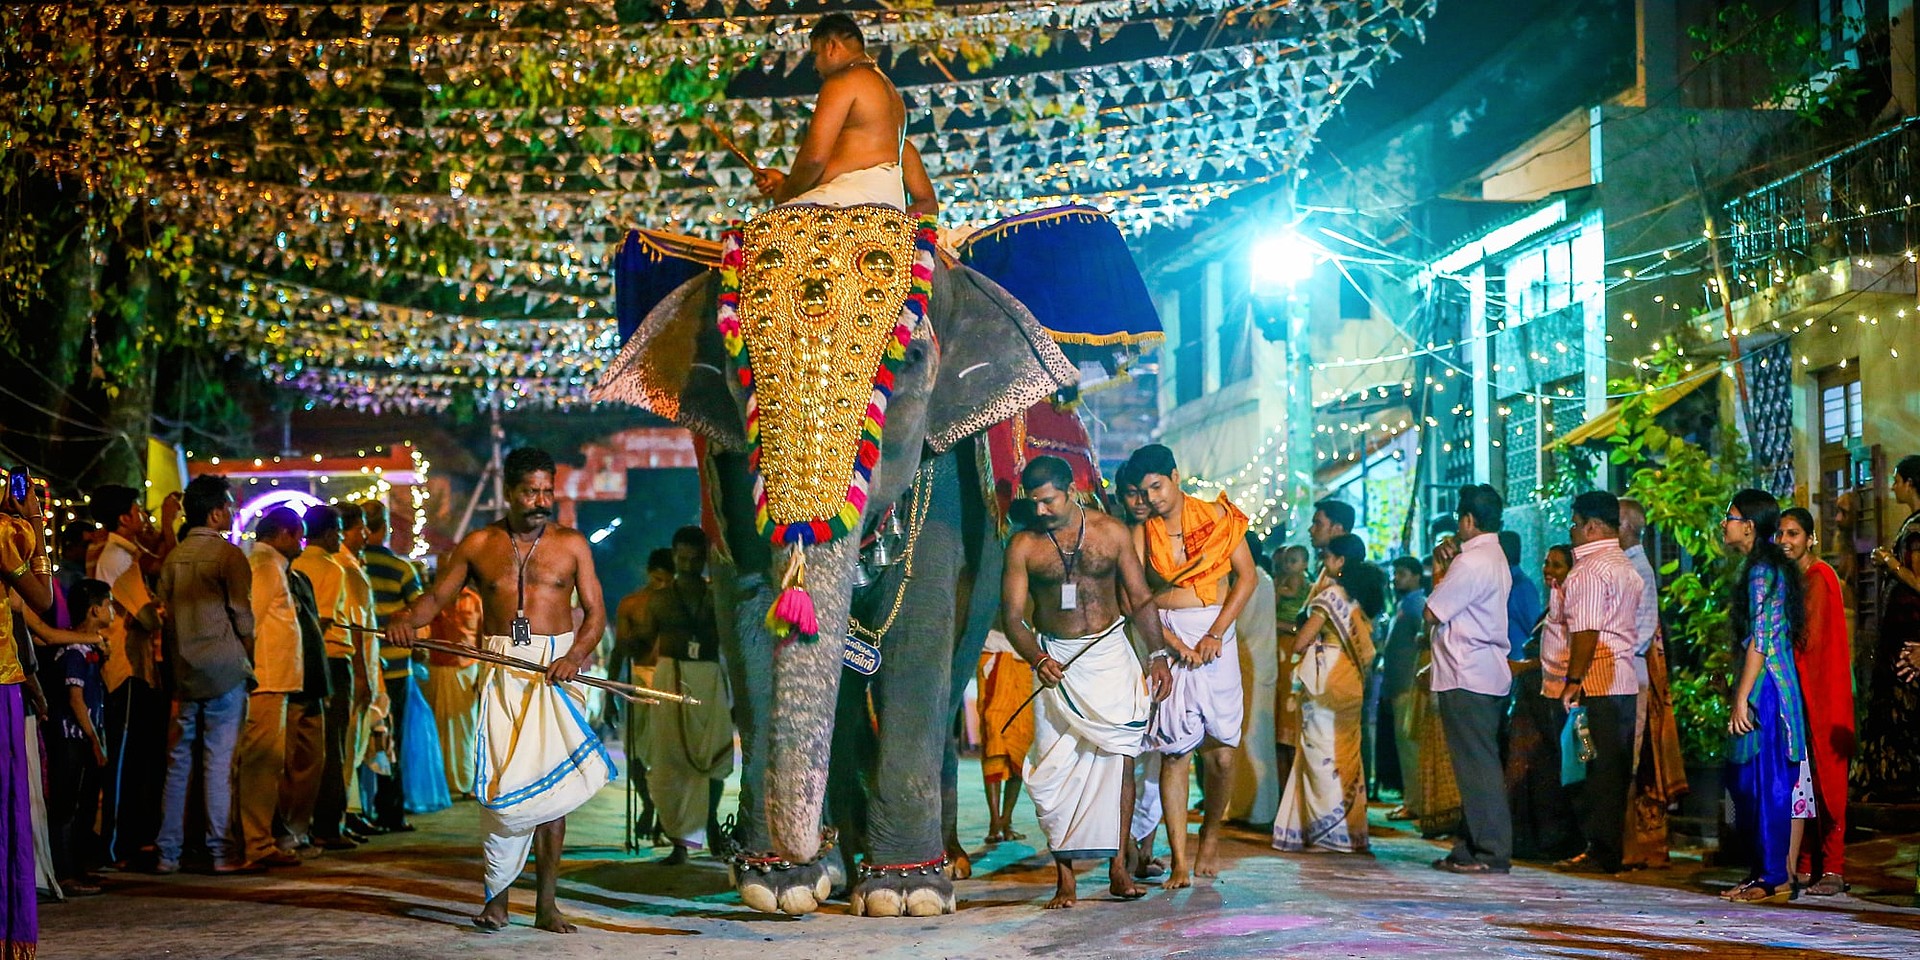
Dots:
{"x": 772, "y": 885}
{"x": 904, "y": 890}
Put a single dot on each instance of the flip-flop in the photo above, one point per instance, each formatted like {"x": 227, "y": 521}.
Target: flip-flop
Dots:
{"x": 1761, "y": 893}
{"x": 1822, "y": 888}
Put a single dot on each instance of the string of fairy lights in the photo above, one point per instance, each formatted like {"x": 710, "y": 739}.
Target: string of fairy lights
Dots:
{"x": 1256, "y": 478}
{"x": 460, "y": 171}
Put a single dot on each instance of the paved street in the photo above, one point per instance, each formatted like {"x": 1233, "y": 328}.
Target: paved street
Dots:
{"x": 407, "y": 897}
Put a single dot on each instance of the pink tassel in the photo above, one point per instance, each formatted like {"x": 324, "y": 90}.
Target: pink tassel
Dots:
{"x": 793, "y": 616}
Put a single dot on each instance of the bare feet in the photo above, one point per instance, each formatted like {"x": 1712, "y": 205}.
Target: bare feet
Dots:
{"x": 1209, "y": 860}
{"x": 1120, "y": 883}
{"x": 493, "y": 916}
{"x": 552, "y": 921}
{"x": 1066, "y": 887}
{"x": 677, "y": 857}
{"x": 1179, "y": 879}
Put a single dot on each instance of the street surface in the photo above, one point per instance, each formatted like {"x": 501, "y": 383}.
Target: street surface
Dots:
{"x": 409, "y": 897}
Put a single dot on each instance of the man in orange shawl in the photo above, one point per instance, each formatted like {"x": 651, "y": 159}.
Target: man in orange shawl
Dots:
{"x": 1005, "y": 683}
{"x": 1202, "y": 575}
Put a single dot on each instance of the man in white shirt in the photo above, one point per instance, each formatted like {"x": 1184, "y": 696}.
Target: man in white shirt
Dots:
{"x": 278, "y": 668}
{"x": 1467, "y": 612}
{"x": 1601, "y": 610}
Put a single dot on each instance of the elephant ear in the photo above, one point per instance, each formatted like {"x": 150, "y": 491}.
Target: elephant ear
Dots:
{"x": 675, "y": 365}
{"x": 995, "y": 358}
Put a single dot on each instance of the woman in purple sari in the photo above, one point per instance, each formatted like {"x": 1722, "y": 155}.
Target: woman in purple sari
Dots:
{"x": 1768, "y": 722}
{"x": 24, "y": 568}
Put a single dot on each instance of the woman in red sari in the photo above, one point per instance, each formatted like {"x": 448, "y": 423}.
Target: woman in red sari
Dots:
{"x": 1826, "y": 684}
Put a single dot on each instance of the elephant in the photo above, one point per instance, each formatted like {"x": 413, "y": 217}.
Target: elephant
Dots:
{"x": 979, "y": 358}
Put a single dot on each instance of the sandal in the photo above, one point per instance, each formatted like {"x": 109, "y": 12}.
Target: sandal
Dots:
{"x": 1754, "y": 891}
{"x": 1829, "y": 884}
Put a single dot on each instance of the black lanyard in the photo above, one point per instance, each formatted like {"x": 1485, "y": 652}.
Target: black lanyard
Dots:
{"x": 1067, "y": 559}
{"x": 520, "y": 597}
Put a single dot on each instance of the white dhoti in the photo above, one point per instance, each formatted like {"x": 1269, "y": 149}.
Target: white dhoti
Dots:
{"x": 1206, "y": 701}
{"x": 539, "y": 759}
{"x": 686, "y": 748}
{"x": 1086, "y": 733}
{"x": 876, "y": 184}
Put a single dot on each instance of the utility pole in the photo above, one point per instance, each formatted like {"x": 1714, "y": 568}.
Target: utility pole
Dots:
{"x": 1301, "y": 465}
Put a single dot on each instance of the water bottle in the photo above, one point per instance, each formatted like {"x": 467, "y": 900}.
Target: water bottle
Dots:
{"x": 1582, "y": 734}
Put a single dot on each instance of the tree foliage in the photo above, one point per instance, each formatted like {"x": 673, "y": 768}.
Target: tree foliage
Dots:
{"x": 1685, "y": 484}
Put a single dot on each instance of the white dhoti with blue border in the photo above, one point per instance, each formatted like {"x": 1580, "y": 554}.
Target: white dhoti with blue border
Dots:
{"x": 539, "y": 758}
{"x": 1086, "y": 733}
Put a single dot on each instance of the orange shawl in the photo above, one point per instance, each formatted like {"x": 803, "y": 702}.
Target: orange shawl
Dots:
{"x": 1212, "y": 532}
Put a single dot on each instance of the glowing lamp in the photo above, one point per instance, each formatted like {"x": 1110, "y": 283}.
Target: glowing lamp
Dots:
{"x": 1279, "y": 262}
{"x": 251, "y": 512}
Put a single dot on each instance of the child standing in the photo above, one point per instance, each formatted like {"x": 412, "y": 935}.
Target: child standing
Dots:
{"x": 76, "y": 703}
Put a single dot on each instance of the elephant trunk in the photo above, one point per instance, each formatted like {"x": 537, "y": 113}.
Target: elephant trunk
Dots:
{"x": 806, "y": 682}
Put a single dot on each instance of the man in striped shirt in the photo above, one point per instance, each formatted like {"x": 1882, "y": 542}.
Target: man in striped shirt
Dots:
{"x": 395, "y": 584}
{"x": 1602, "y": 605}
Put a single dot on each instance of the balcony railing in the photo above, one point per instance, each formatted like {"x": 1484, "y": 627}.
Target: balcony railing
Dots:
{"x": 1855, "y": 203}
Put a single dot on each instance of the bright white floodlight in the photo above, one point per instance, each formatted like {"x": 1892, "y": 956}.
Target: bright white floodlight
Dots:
{"x": 1280, "y": 261}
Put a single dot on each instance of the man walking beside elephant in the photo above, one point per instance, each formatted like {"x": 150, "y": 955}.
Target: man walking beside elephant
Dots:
{"x": 688, "y": 750}
{"x": 1192, "y": 549}
{"x": 538, "y": 758}
{"x": 1088, "y": 721}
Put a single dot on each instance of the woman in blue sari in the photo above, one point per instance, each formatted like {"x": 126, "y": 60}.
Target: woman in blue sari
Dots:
{"x": 1768, "y": 722}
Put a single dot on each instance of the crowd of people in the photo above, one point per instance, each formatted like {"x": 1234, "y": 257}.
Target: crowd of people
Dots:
{"x": 273, "y": 702}
{"x": 190, "y": 699}
{"x": 1525, "y": 722}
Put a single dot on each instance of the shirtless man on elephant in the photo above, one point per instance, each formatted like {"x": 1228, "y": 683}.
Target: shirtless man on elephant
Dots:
{"x": 855, "y": 150}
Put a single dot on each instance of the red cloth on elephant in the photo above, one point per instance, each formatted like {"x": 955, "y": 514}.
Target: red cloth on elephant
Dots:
{"x": 1826, "y": 685}
{"x": 1040, "y": 430}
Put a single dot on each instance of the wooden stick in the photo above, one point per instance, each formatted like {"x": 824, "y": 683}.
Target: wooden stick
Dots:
{"x": 627, "y": 691}
{"x": 727, "y": 142}
{"x": 1063, "y": 669}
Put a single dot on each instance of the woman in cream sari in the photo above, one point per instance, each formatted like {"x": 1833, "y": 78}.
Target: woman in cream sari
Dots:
{"x": 1324, "y": 804}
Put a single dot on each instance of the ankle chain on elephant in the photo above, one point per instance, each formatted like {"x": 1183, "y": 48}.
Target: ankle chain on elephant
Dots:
{"x": 903, "y": 869}
{"x": 772, "y": 861}
{"x": 916, "y": 521}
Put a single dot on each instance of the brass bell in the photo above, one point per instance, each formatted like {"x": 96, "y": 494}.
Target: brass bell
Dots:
{"x": 882, "y": 556}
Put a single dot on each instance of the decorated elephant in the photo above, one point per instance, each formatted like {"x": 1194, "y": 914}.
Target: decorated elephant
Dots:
{"x": 839, "y": 369}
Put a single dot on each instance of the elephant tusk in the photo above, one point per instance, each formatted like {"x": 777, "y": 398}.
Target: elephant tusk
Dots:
{"x": 963, "y": 373}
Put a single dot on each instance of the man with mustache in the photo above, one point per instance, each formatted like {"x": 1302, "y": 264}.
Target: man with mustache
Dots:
{"x": 1082, "y": 573}
{"x": 539, "y": 759}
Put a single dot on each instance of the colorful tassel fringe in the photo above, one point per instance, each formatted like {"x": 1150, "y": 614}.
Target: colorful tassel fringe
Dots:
{"x": 792, "y": 616}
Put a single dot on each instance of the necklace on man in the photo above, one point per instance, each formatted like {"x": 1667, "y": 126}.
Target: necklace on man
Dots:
{"x": 520, "y": 630}
{"x": 1069, "y": 590}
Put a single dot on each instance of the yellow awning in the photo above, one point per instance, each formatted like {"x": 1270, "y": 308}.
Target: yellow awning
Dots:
{"x": 1602, "y": 426}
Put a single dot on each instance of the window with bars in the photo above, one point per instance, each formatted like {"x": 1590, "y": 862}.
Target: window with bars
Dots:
{"x": 1841, "y": 426}
{"x": 1840, "y": 411}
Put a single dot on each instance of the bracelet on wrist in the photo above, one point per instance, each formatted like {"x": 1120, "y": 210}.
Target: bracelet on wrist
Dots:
{"x": 1160, "y": 654}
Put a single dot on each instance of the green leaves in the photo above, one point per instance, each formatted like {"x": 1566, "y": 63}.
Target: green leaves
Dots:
{"x": 1685, "y": 488}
